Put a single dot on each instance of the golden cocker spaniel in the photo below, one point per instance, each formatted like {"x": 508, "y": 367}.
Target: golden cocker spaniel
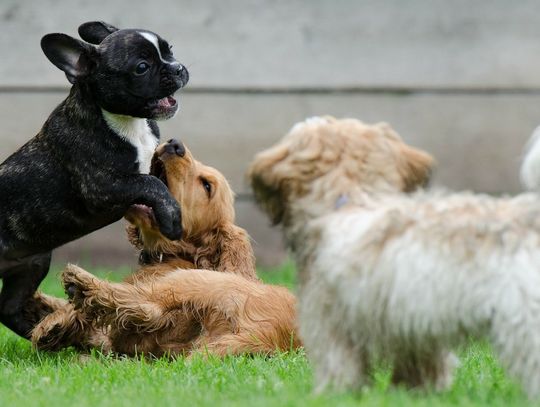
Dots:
{"x": 197, "y": 294}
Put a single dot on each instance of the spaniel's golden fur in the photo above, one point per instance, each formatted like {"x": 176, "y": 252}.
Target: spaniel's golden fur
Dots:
{"x": 172, "y": 306}
{"x": 387, "y": 273}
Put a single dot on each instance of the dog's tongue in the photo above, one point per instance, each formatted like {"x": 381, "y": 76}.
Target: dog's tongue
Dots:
{"x": 166, "y": 102}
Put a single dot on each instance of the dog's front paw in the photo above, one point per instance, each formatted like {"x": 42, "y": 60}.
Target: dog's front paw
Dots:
{"x": 89, "y": 295}
{"x": 171, "y": 233}
{"x": 78, "y": 284}
{"x": 176, "y": 233}
{"x": 170, "y": 222}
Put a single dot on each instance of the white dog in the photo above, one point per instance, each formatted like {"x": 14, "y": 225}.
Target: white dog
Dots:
{"x": 530, "y": 169}
{"x": 388, "y": 273}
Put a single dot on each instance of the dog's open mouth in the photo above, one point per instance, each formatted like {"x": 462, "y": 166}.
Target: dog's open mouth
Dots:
{"x": 138, "y": 213}
{"x": 167, "y": 102}
{"x": 157, "y": 169}
{"x": 164, "y": 108}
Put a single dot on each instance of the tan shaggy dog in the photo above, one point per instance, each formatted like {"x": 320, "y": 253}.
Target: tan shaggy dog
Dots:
{"x": 168, "y": 307}
{"x": 387, "y": 273}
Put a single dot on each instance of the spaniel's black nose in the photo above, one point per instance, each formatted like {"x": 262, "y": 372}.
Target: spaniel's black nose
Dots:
{"x": 175, "y": 147}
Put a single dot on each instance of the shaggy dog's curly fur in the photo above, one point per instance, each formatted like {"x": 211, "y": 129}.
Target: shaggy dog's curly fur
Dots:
{"x": 401, "y": 276}
{"x": 167, "y": 307}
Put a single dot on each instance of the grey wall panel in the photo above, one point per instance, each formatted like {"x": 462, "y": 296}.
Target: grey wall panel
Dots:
{"x": 476, "y": 138}
{"x": 295, "y": 43}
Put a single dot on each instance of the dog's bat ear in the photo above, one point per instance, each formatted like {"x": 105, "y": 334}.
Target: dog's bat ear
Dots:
{"x": 95, "y": 31}
{"x": 71, "y": 55}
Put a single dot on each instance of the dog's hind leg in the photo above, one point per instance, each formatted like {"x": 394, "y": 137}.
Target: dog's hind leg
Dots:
{"x": 66, "y": 327}
{"x": 123, "y": 305}
{"x": 339, "y": 363}
{"x": 424, "y": 369}
{"x": 339, "y": 366}
{"x": 151, "y": 306}
{"x": 20, "y": 310}
{"x": 517, "y": 344}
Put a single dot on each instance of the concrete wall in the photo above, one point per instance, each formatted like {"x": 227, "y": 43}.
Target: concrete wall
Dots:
{"x": 458, "y": 78}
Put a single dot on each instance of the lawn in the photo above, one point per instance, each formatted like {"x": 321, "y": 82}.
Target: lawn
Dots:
{"x": 29, "y": 378}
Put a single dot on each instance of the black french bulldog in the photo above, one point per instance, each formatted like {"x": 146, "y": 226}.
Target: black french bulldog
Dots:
{"x": 90, "y": 161}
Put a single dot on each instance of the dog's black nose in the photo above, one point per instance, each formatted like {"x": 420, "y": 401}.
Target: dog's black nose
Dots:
{"x": 175, "y": 147}
{"x": 177, "y": 68}
{"x": 181, "y": 73}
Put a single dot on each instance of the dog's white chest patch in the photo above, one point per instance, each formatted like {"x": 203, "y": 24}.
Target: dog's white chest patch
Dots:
{"x": 137, "y": 132}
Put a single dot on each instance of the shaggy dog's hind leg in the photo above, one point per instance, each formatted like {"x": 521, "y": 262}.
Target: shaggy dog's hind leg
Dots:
{"x": 424, "y": 369}
{"x": 515, "y": 340}
{"x": 339, "y": 363}
{"x": 340, "y": 366}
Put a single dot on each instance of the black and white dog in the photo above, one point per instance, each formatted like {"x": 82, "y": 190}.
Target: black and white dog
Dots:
{"x": 90, "y": 161}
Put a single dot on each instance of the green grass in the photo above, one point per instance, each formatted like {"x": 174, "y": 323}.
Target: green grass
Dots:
{"x": 29, "y": 378}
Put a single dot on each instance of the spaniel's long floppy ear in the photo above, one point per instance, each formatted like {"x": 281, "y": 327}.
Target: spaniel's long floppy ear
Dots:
{"x": 227, "y": 249}
{"x": 268, "y": 180}
{"x": 415, "y": 168}
{"x": 134, "y": 236}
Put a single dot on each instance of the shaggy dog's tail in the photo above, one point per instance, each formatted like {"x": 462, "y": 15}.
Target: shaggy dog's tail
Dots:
{"x": 530, "y": 168}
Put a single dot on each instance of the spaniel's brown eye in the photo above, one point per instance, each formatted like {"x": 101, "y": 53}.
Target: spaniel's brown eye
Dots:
{"x": 207, "y": 186}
